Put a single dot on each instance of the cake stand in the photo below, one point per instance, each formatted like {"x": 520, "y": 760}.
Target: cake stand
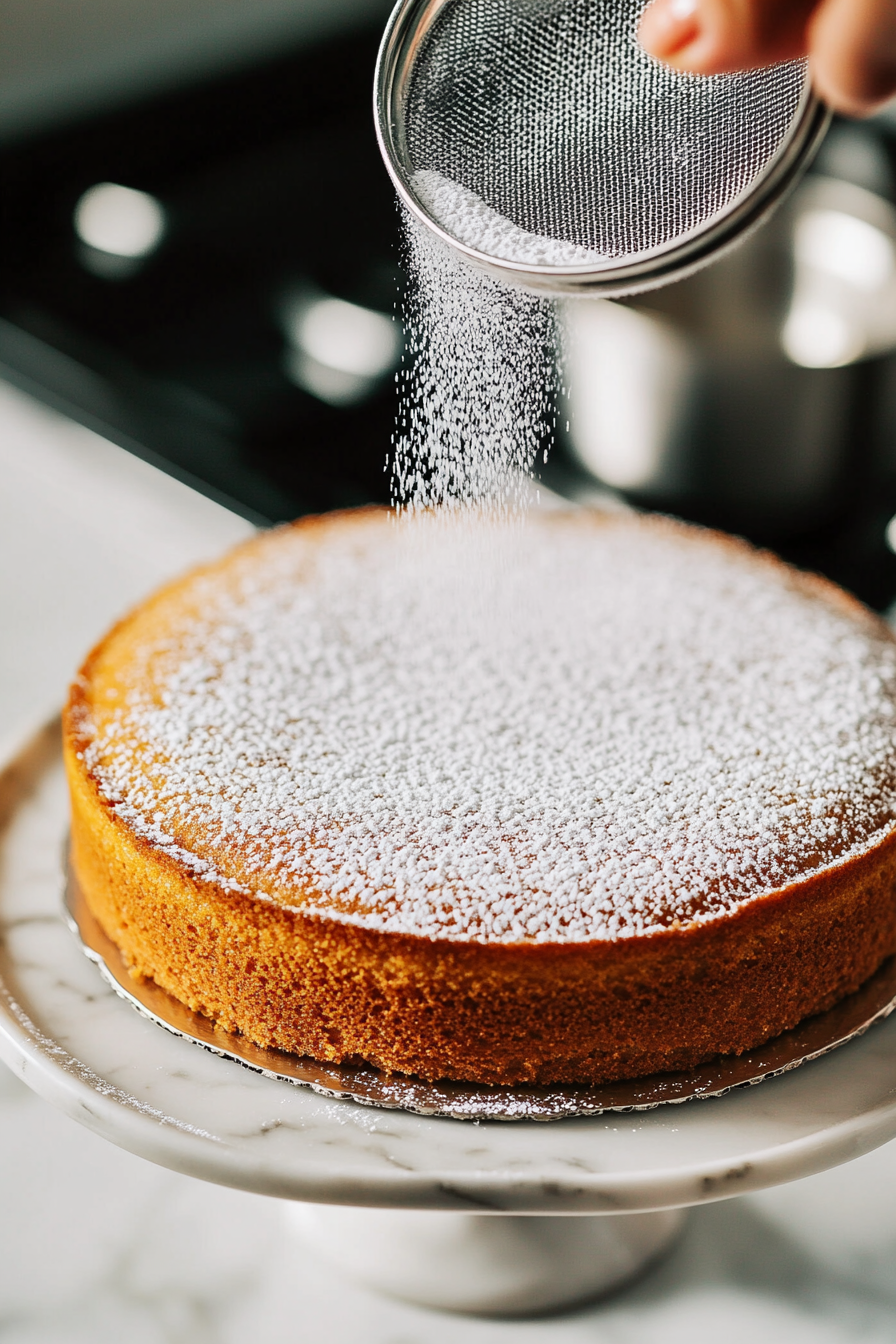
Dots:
{"x": 415, "y": 1191}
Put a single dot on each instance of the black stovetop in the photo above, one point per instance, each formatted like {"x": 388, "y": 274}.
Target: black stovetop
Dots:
{"x": 271, "y": 182}
{"x": 273, "y": 186}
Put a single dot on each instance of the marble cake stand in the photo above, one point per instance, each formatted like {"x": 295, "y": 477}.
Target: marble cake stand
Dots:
{"x": 425, "y": 1182}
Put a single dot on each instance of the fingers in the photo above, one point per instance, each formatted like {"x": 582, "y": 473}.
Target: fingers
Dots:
{"x": 851, "y": 43}
{"x": 710, "y": 37}
{"x": 852, "y": 47}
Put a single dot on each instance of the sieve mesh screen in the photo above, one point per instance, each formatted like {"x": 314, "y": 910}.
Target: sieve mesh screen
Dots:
{"x": 550, "y": 114}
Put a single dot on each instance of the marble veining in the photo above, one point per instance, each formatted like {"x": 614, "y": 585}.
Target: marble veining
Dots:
{"x": 79, "y": 1045}
{"x": 98, "y": 1246}
{"x": 101, "y": 1247}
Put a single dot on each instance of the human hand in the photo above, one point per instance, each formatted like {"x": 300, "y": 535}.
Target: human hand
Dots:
{"x": 851, "y": 44}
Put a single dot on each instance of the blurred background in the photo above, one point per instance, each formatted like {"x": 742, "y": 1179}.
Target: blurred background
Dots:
{"x": 199, "y": 257}
{"x": 197, "y": 238}
{"x": 199, "y": 264}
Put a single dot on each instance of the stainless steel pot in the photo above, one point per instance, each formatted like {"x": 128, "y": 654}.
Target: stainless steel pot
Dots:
{"x": 759, "y": 395}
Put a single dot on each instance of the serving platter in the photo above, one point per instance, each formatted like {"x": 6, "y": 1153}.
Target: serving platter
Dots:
{"x": 461, "y": 1101}
{"x": 68, "y": 1034}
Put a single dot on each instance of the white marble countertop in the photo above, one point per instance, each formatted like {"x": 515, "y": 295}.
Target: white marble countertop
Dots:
{"x": 97, "y": 1245}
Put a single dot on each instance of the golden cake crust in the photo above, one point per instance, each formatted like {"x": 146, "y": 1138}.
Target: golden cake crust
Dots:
{"x": 288, "y": 971}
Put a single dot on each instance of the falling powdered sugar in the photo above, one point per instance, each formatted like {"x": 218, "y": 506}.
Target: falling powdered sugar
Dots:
{"x": 477, "y": 386}
{"x": 642, "y": 727}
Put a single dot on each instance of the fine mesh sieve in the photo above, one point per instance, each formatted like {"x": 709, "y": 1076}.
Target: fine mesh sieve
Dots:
{"x": 538, "y": 138}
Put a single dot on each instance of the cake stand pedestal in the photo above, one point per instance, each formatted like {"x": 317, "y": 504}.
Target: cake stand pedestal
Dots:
{"x": 626, "y": 1176}
{"x": 488, "y": 1265}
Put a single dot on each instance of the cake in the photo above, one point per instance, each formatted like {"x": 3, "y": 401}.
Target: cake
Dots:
{"x": 565, "y": 800}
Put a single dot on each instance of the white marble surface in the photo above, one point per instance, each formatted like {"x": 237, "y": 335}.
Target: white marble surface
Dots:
{"x": 98, "y": 1245}
{"x": 86, "y": 530}
{"x": 90, "y": 1053}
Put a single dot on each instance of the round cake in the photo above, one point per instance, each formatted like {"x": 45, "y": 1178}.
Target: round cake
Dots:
{"x": 574, "y": 798}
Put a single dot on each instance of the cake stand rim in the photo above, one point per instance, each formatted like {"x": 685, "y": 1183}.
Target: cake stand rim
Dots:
{"x": 168, "y": 1013}
{"x": 42, "y": 1065}
{"x": 59, "y": 1077}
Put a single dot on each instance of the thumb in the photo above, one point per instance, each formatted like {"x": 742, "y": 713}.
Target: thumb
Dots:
{"x": 711, "y": 37}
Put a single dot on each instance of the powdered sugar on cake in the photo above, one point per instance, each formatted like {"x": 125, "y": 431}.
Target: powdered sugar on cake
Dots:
{"x": 556, "y": 730}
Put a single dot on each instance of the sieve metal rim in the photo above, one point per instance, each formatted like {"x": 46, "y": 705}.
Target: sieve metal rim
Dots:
{"x": 406, "y": 30}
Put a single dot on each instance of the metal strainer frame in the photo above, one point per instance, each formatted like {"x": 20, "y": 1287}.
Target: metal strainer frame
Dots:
{"x": 407, "y": 29}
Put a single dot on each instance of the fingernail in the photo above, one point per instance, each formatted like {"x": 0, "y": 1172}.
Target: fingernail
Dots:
{"x": 669, "y": 25}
